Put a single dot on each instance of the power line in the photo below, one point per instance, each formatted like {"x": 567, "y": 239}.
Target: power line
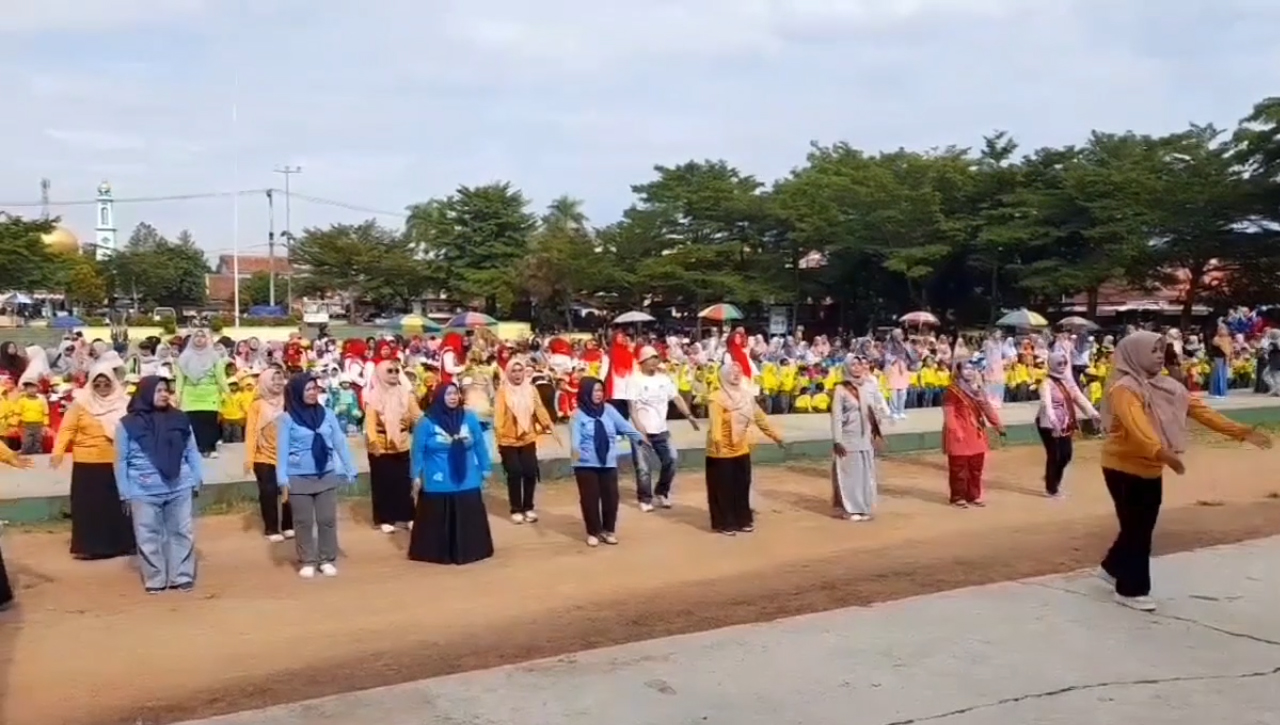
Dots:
{"x": 136, "y": 199}
{"x": 349, "y": 207}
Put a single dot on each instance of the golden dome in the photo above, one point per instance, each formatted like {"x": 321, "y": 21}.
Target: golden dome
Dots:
{"x": 62, "y": 241}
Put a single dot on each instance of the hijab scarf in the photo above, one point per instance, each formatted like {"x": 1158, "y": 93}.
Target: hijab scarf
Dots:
{"x": 737, "y": 402}
{"x": 270, "y": 396}
{"x": 450, "y": 420}
{"x": 1164, "y": 398}
{"x": 198, "y": 358}
{"x": 37, "y": 366}
{"x": 522, "y": 399}
{"x": 108, "y": 409}
{"x": 309, "y": 416}
{"x": 392, "y": 402}
{"x": 1059, "y": 365}
{"x": 161, "y": 433}
{"x": 586, "y": 403}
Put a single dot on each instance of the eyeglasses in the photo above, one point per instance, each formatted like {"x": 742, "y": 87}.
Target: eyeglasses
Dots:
{"x": 393, "y": 371}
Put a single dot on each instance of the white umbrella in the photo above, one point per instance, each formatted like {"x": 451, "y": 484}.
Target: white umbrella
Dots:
{"x": 632, "y": 318}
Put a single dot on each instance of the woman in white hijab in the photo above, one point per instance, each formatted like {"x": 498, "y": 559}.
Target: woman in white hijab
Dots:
{"x": 857, "y": 411}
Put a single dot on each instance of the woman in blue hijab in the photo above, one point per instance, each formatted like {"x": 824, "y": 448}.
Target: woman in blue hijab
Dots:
{"x": 312, "y": 461}
{"x": 593, "y": 432}
{"x": 450, "y": 461}
{"x": 158, "y": 471}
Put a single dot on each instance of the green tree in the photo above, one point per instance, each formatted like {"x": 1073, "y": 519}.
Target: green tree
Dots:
{"x": 156, "y": 271}
{"x": 365, "y": 261}
{"x": 478, "y": 237}
{"x": 256, "y": 290}
{"x": 563, "y": 262}
{"x": 85, "y": 285}
{"x": 26, "y": 262}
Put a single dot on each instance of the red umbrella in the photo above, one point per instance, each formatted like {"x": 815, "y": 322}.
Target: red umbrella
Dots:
{"x": 919, "y": 317}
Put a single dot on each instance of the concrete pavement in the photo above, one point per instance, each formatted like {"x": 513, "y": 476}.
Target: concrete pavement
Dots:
{"x": 1050, "y": 651}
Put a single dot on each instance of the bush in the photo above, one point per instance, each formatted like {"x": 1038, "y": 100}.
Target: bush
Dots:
{"x": 169, "y": 326}
{"x": 216, "y": 325}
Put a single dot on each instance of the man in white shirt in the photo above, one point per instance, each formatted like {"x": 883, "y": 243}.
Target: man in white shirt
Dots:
{"x": 651, "y": 394}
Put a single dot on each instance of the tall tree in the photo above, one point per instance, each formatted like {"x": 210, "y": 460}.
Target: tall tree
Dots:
{"x": 26, "y": 261}
{"x": 154, "y": 270}
{"x": 366, "y": 261}
{"x": 478, "y": 235}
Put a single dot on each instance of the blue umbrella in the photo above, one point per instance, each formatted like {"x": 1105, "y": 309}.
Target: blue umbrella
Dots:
{"x": 66, "y": 323}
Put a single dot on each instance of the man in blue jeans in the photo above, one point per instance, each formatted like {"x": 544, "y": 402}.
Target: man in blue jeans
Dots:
{"x": 652, "y": 393}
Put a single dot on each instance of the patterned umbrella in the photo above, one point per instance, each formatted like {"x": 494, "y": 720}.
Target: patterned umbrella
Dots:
{"x": 919, "y": 317}
{"x": 1023, "y": 319}
{"x": 1077, "y": 323}
{"x": 416, "y": 323}
{"x": 632, "y": 318}
{"x": 721, "y": 313}
{"x": 471, "y": 319}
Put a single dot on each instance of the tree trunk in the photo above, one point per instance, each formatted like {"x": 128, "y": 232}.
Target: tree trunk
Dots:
{"x": 1195, "y": 275}
{"x": 1091, "y": 304}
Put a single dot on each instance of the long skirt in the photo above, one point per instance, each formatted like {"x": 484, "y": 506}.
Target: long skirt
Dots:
{"x": 205, "y": 428}
{"x": 729, "y": 493}
{"x": 390, "y": 488}
{"x": 6, "y": 591}
{"x": 451, "y": 528}
{"x": 100, "y": 528}
{"x": 853, "y": 482}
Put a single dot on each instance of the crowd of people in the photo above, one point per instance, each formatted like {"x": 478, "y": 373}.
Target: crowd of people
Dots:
{"x": 438, "y": 414}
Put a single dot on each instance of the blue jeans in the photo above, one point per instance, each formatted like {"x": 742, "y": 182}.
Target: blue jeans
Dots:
{"x": 665, "y": 455}
{"x": 1218, "y": 379}
{"x": 166, "y": 541}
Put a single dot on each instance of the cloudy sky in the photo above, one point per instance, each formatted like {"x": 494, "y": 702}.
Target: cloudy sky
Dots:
{"x": 387, "y": 102}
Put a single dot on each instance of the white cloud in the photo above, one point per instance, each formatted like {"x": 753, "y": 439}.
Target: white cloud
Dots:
{"x": 388, "y": 102}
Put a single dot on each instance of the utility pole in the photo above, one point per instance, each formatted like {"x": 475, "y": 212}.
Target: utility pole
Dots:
{"x": 288, "y": 172}
{"x": 271, "y": 248}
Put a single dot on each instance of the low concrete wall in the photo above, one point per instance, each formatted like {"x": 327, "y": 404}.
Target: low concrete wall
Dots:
{"x": 218, "y": 497}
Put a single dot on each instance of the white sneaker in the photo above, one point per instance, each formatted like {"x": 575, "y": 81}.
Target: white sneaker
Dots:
{"x": 1104, "y": 576}
{"x": 593, "y": 541}
{"x": 859, "y": 517}
{"x": 1142, "y": 604}
{"x": 289, "y": 533}
{"x": 328, "y": 569}
{"x": 307, "y": 572}
{"x": 387, "y": 529}
{"x": 531, "y": 516}
{"x": 213, "y": 455}
{"x": 664, "y": 502}
{"x": 646, "y": 507}
{"x": 609, "y": 538}
{"x": 517, "y": 518}
{"x": 275, "y": 538}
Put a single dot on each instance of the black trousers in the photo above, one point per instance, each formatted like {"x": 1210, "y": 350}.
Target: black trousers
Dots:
{"x": 205, "y": 428}
{"x": 521, "y": 466}
{"x": 1057, "y": 456}
{"x": 729, "y": 492}
{"x": 598, "y": 496}
{"x": 1137, "y": 502}
{"x": 276, "y": 517}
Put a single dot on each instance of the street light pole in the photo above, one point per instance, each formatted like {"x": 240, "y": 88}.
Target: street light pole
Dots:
{"x": 287, "y": 172}
{"x": 271, "y": 248}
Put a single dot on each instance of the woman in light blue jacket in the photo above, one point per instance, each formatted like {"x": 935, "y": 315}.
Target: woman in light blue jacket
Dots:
{"x": 158, "y": 471}
{"x": 593, "y": 432}
{"x": 312, "y": 461}
{"x": 450, "y": 460}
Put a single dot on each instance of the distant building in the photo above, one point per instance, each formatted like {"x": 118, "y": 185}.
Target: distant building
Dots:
{"x": 221, "y": 284}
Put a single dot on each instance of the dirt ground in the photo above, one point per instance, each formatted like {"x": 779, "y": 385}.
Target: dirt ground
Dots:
{"x": 87, "y": 647}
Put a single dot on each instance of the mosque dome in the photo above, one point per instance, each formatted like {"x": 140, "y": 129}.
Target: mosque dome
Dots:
{"x": 62, "y": 241}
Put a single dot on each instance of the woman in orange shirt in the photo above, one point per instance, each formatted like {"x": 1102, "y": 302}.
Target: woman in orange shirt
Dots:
{"x": 1145, "y": 415}
{"x": 390, "y": 412}
{"x": 100, "y": 528}
{"x": 260, "y": 455}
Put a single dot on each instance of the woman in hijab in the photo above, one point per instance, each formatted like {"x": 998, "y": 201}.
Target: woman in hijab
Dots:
{"x": 260, "y": 454}
{"x": 201, "y": 382}
{"x": 450, "y": 463}
{"x": 733, "y": 412}
{"x": 857, "y": 410}
{"x": 519, "y": 417}
{"x": 9, "y": 458}
{"x": 12, "y": 363}
{"x": 158, "y": 470}
{"x": 312, "y": 461}
{"x": 966, "y": 412}
{"x": 390, "y": 412}
{"x": 1056, "y": 421}
{"x": 1145, "y": 416}
{"x": 593, "y": 433}
{"x": 1220, "y": 356}
{"x": 100, "y": 528}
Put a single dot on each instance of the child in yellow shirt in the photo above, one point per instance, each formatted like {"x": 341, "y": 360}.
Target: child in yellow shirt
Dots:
{"x": 803, "y": 402}
{"x": 821, "y": 401}
{"x": 232, "y": 413}
{"x": 33, "y": 418}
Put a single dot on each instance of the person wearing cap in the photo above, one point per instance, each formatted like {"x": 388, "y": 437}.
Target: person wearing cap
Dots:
{"x": 652, "y": 394}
